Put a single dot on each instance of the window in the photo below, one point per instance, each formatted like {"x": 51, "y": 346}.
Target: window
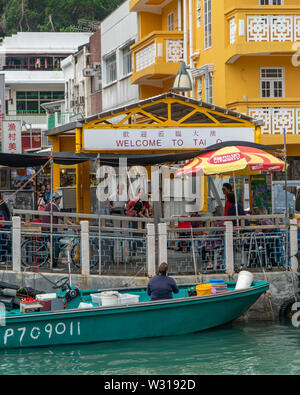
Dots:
{"x": 27, "y": 62}
{"x": 127, "y": 60}
{"x": 30, "y": 102}
{"x": 208, "y": 88}
{"x": 171, "y": 22}
{"x": 111, "y": 69}
{"x": 198, "y": 13}
{"x": 270, "y": 2}
{"x": 207, "y": 24}
{"x": 272, "y": 82}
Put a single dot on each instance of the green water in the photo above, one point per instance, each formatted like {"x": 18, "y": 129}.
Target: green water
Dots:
{"x": 254, "y": 348}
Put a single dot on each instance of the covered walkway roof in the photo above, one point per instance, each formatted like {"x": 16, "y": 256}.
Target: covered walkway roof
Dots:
{"x": 165, "y": 110}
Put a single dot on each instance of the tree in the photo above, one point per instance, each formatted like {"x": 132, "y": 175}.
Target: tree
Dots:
{"x": 51, "y": 15}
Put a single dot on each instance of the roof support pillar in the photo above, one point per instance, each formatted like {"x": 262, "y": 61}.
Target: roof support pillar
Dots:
{"x": 56, "y": 167}
{"x": 78, "y": 140}
{"x": 83, "y": 200}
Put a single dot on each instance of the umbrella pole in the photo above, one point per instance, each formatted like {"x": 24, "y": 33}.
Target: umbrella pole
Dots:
{"x": 51, "y": 210}
{"x": 235, "y": 197}
{"x": 286, "y": 199}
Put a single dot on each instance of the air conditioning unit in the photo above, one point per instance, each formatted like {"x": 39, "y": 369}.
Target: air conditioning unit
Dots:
{"x": 88, "y": 72}
{"x": 97, "y": 66}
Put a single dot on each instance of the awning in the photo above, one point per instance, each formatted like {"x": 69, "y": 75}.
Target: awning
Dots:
{"x": 110, "y": 159}
{"x": 72, "y": 158}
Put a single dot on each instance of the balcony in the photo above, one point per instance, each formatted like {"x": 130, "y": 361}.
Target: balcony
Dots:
{"x": 58, "y": 119}
{"x": 153, "y": 6}
{"x": 251, "y": 33}
{"x": 157, "y": 57}
{"x": 276, "y": 119}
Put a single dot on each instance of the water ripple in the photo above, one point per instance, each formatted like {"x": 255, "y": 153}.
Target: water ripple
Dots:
{"x": 253, "y": 348}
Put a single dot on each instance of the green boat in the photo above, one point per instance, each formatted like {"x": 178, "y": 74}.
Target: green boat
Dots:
{"x": 73, "y": 325}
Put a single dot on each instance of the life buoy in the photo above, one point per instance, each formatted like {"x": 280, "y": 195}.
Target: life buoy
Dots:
{"x": 285, "y": 312}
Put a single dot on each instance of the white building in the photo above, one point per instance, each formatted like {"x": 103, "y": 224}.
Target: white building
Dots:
{"x": 118, "y": 32}
{"x": 33, "y": 76}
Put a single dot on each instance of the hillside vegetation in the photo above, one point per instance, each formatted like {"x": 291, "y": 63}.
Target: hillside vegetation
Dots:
{"x": 52, "y": 15}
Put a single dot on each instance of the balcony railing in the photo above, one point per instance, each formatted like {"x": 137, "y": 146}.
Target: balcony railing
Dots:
{"x": 264, "y": 28}
{"x": 58, "y": 119}
{"x": 28, "y": 118}
{"x": 276, "y": 119}
{"x": 157, "y": 54}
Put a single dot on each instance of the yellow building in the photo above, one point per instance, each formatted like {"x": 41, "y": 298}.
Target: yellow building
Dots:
{"x": 242, "y": 56}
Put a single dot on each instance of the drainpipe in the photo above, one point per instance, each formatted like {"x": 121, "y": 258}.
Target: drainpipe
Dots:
{"x": 179, "y": 16}
{"x": 185, "y": 33}
{"x": 85, "y": 84}
{"x": 191, "y": 63}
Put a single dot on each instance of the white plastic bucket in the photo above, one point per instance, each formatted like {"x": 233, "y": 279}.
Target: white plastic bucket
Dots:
{"x": 109, "y": 298}
{"x": 244, "y": 280}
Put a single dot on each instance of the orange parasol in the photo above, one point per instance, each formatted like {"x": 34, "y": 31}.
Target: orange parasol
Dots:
{"x": 232, "y": 159}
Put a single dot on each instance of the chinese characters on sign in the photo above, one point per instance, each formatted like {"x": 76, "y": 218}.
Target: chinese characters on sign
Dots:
{"x": 11, "y": 137}
{"x": 164, "y": 139}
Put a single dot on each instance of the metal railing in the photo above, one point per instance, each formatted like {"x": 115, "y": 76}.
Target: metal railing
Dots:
{"x": 118, "y": 245}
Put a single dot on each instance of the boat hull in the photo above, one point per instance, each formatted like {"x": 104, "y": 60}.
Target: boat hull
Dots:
{"x": 147, "y": 319}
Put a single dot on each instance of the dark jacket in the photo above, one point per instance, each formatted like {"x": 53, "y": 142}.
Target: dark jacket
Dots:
{"x": 161, "y": 287}
{"x": 232, "y": 213}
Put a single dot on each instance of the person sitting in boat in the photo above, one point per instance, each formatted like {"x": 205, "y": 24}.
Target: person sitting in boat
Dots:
{"x": 162, "y": 286}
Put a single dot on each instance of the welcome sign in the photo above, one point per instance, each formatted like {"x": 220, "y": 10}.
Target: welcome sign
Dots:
{"x": 161, "y": 139}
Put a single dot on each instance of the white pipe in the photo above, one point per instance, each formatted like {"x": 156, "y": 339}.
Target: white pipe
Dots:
{"x": 185, "y": 36}
{"x": 191, "y": 31}
{"x": 179, "y": 16}
{"x": 86, "y": 112}
{"x": 191, "y": 62}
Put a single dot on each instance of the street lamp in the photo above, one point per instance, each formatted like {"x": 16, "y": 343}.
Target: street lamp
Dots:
{"x": 182, "y": 81}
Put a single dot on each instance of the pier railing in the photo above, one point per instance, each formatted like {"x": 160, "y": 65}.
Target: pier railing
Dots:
{"x": 118, "y": 245}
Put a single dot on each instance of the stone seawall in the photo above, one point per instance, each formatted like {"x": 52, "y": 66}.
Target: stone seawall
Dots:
{"x": 283, "y": 285}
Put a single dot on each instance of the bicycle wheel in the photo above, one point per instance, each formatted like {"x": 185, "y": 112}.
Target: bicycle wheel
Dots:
{"x": 34, "y": 252}
{"x": 76, "y": 258}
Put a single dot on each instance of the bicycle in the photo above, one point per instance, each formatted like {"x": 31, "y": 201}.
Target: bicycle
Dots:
{"x": 35, "y": 251}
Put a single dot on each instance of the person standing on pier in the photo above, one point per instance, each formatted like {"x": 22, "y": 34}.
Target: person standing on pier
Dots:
{"x": 227, "y": 188}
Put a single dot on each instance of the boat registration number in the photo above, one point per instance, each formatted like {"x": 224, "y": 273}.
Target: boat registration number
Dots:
{"x": 38, "y": 332}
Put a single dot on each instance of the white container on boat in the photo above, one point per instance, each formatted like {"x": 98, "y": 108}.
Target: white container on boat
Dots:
{"x": 96, "y": 298}
{"x": 83, "y": 305}
{"x": 128, "y": 299}
{"x": 244, "y": 280}
{"x": 46, "y": 297}
{"x": 109, "y": 298}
